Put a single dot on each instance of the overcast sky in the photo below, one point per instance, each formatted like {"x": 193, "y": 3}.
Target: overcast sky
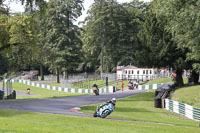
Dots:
{"x": 17, "y": 7}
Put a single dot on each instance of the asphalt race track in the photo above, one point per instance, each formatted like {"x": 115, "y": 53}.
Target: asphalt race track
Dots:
{"x": 64, "y": 105}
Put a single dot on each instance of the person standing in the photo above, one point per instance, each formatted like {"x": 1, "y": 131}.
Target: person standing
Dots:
{"x": 122, "y": 86}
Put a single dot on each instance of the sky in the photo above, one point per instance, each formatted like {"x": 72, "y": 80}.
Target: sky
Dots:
{"x": 17, "y": 7}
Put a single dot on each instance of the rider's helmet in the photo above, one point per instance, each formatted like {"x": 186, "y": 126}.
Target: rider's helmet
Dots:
{"x": 113, "y": 100}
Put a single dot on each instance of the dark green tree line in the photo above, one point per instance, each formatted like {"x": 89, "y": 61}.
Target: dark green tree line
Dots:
{"x": 110, "y": 34}
{"x": 61, "y": 37}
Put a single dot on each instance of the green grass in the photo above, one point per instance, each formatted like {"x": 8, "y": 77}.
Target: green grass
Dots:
{"x": 18, "y": 122}
{"x": 141, "y": 108}
{"x": 163, "y": 80}
{"x": 85, "y": 84}
{"x": 54, "y": 84}
{"x": 159, "y": 81}
{"x": 189, "y": 95}
{"x": 42, "y": 92}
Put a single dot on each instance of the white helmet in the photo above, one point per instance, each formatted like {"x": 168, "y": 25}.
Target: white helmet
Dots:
{"x": 113, "y": 100}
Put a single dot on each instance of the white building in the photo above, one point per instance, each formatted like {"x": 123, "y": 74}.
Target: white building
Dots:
{"x": 144, "y": 74}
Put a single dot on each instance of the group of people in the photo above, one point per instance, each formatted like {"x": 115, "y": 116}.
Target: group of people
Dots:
{"x": 135, "y": 83}
{"x": 131, "y": 84}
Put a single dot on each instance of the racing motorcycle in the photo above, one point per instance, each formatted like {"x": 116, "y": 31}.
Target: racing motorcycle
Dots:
{"x": 95, "y": 90}
{"x": 104, "y": 111}
{"x": 131, "y": 86}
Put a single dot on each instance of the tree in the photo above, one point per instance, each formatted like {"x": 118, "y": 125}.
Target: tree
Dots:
{"x": 159, "y": 47}
{"x": 62, "y": 36}
{"x": 29, "y": 4}
{"x": 3, "y": 64}
{"x": 23, "y": 39}
{"x": 185, "y": 27}
{"x": 109, "y": 34}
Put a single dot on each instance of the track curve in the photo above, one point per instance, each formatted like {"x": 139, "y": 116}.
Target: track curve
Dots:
{"x": 64, "y": 105}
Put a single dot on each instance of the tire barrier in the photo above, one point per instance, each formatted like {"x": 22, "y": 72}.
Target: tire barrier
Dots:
{"x": 160, "y": 95}
{"x": 108, "y": 89}
{"x": 1, "y": 95}
{"x": 183, "y": 109}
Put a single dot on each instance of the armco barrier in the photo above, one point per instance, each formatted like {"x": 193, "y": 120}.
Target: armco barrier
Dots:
{"x": 70, "y": 90}
{"x": 183, "y": 109}
{"x": 149, "y": 87}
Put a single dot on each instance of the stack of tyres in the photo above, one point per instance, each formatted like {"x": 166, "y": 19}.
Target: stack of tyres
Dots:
{"x": 158, "y": 97}
{"x": 1, "y": 95}
{"x": 14, "y": 94}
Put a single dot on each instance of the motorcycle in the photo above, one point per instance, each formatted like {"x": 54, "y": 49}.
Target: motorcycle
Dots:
{"x": 28, "y": 91}
{"x": 95, "y": 90}
{"x": 131, "y": 86}
{"x": 104, "y": 111}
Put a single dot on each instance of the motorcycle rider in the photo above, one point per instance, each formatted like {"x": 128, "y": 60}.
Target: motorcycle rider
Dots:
{"x": 112, "y": 101}
{"x": 95, "y": 89}
{"x": 95, "y": 85}
{"x": 28, "y": 91}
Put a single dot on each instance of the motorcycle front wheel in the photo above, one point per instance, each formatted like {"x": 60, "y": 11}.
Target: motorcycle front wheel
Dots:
{"x": 96, "y": 92}
{"x": 105, "y": 113}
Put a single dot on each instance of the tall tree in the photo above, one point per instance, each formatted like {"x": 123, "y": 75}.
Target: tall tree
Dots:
{"x": 62, "y": 36}
{"x": 23, "y": 41}
{"x": 185, "y": 27}
{"x": 109, "y": 34}
{"x": 160, "y": 48}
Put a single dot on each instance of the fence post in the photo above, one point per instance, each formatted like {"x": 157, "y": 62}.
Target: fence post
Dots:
{"x": 106, "y": 81}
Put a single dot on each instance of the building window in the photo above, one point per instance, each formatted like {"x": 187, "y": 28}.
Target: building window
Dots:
{"x": 150, "y": 72}
{"x": 143, "y": 71}
{"x": 132, "y": 72}
{"x": 138, "y": 72}
{"x": 126, "y": 71}
{"x": 129, "y": 72}
{"x": 146, "y": 71}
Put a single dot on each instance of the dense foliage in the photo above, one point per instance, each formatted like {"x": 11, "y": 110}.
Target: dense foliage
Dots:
{"x": 162, "y": 33}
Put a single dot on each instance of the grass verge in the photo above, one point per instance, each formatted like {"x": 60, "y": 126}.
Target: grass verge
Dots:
{"x": 41, "y": 92}
{"x": 189, "y": 95}
{"x": 18, "y": 122}
{"x": 159, "y": 81}
{"x": 163, "y": 80}
{"x": 141, "y": 108}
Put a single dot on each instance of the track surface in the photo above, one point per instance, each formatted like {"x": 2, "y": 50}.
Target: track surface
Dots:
{"x": 63, "y": 105}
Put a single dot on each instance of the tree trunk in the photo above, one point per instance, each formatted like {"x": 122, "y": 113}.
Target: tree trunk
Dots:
{"x": 41, "y": 72}
{"x": 65, "y": 75}
{"x": 102, "y": 47}
{"x": 102, "y": 55}
{"x": 195, "y": 77}
{"x": 57, "y": 74}
{"x": 179, "y": 78}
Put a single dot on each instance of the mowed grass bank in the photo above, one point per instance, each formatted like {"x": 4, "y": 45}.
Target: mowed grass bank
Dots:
{"x": 189, "y": 95}
{"x": 163, "y": 80}
{"x": 41, "y": 92}
{"x": 141, "y": 108}
{"x": 18, "y": 122}
{"x": 159, "y": 81}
